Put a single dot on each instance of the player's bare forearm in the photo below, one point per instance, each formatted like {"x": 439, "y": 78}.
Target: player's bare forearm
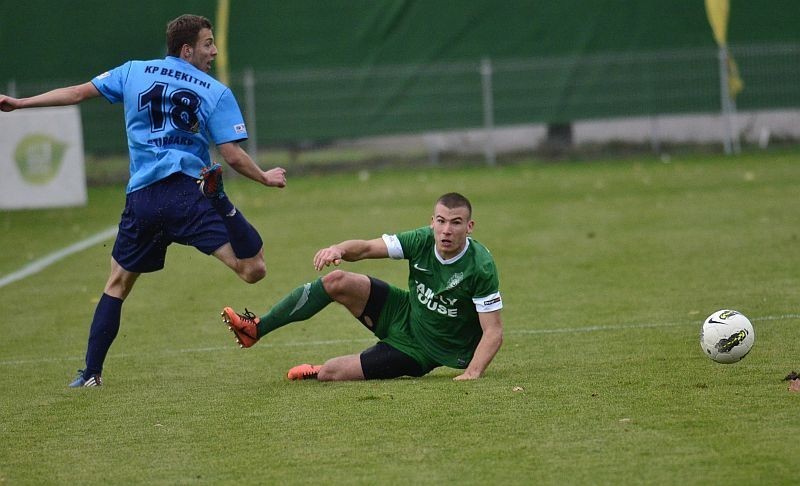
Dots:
{"x": 350, "y": 251}
{"x": 487, "y": 348}
{"x": 242, "y": 163}
{"x": 275, "y": 177}
{"x": 71, "y": 95}
{"x": 484, "y": 354}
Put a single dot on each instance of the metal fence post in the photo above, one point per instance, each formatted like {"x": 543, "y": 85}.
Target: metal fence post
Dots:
{"x": 12, "y": 88}
{"x": 250, "y": 109}
{"x": 731, "y": 137}
{"x": 488, "y": 110}
{"x": 655, "y": 134}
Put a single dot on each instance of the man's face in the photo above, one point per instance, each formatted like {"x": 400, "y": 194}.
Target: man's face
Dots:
{"x": 204, "y": 51}
{"x": 450, "y": 229}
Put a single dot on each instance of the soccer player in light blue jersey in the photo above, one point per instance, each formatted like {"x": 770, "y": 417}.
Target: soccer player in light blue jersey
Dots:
{"x": 173, "y": 110}
{"x": 449, "y": 315}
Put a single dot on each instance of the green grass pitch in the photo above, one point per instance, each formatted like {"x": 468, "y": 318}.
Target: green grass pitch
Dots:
{"x": 607, "y": 270}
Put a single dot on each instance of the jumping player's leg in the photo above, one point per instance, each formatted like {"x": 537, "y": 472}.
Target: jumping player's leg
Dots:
{"x": 143, "y": 236}
{"x": 251, "y": 270}
{"x": 245, "y": 255}
{"x": 106, "y": 323}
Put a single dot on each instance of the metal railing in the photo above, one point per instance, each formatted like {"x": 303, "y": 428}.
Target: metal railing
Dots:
{"x": 285, "y": 108}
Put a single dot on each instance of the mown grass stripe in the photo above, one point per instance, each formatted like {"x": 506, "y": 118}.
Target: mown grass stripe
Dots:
{"x": 37, "y": 266}
{"x": 564, "y": 330}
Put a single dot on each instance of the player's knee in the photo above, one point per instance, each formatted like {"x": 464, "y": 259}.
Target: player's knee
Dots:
{"x": 332, "y": 373}
{"x": 120, "y": 282}
{"x": 335, "y": 282}
{"x": 343, "y": 368}
{"x": 326, "y": 374}
{"x": 254, "y": 272}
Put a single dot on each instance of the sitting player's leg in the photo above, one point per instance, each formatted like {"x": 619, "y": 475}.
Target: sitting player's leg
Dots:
{"x": 352, "y": 290}
{"x": 342, "y": 368}
{"x": 299, "y": 305}
{"x": 383, "y": 361}
{"x": 379, "y": 362}
{"x": 386, "y": 314}
{"x": 365, "y": 298}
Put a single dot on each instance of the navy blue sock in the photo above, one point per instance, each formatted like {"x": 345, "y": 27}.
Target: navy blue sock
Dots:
{"x": 222, "y": 204}
{"x": 105, "y": 326}
{"x": 245, "y": 240}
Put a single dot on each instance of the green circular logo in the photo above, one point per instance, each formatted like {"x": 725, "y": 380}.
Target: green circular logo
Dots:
{"x": 39, "y": 158}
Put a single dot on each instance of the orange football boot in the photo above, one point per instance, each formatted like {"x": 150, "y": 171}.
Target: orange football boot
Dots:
{"x": 243, "y": 326}
{"x": 303, "y": 372}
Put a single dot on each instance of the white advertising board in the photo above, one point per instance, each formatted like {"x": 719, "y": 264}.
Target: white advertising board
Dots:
{"x": 41, "y": 158}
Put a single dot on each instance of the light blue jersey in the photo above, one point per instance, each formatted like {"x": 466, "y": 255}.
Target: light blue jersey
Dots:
{"x": 172, "y": 110}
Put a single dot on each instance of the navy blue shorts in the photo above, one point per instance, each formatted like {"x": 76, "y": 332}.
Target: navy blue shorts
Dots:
{"x": 172, "y": 210}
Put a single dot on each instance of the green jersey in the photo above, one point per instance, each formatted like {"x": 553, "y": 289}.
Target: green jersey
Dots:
{"x": 445, "y": 296}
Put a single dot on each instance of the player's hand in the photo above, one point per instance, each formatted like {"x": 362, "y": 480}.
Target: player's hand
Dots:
{"x": 8, "y": 103}
{"x": 276, "y": 177}
{"x": 327, "y": 256}
{"x": 467, "y": 375}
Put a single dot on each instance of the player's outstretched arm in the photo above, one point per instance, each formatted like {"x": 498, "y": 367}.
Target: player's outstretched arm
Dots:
{"x": 490, "y": 343}
{"x": 70, "y": 95}
{"x": 350, "y": 251}
{"x": 242, "y": 163}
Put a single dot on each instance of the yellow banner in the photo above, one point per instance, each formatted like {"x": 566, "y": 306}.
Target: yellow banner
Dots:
{"x": 735, "y": 82}
{"x": 718, "y": 11}
{"x": 221, "y": 39}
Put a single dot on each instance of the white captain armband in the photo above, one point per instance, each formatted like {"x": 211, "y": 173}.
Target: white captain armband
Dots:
{"x": 490, "y": 303}
{"x": 394, "y": 247}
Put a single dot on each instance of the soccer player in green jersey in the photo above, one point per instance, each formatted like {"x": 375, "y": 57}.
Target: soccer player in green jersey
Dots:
{"x": 448, "y": 316}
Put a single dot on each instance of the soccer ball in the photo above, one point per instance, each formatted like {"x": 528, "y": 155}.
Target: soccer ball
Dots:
{"x": 727, "y": 336}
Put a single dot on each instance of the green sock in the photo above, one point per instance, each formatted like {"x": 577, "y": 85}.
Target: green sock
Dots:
{"x": 301, "y": 303}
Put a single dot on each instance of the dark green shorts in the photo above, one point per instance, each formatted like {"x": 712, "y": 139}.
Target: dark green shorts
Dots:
{"x": 393, "y": 323}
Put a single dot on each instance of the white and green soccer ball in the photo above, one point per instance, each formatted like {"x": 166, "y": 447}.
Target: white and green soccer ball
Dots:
{"x": 727, "y": 336}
